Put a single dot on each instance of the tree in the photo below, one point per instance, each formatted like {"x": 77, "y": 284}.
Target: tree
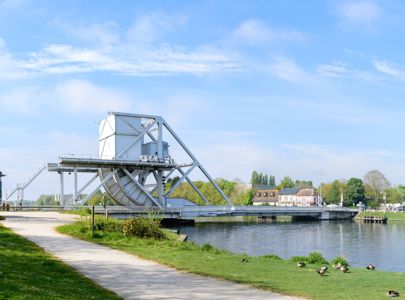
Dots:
{"x": 303, "y": 184}
{"x": 355, "y": 192}
{"x": 262, "y": 179}
{"x": 334, "y": 193}
{"x": 100, "y": 198}
{"x": 286, "y": 182}
{"x": 45, "y": 200}
{"x": 375, "y": 183}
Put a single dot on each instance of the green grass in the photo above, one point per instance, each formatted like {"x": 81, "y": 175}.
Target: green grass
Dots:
{"x": 266, "y": 272}
{"x": 28, "y": 272}
{"x": 391, "y": 215}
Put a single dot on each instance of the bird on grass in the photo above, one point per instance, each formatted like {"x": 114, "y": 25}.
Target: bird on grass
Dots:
{"x": 325, "y": 268}
{"x": 301, "y": 264}
{"x": 370, "y": 267}
{"x": 321, "y": 272}
{"x": 244, "y": 260}
{"x": 392, "y": 294}
{"x": 337, "y": 266}
{"x": 344, "y": 269}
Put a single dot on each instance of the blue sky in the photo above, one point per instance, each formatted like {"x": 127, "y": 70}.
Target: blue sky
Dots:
{"x": 309, "y": 89}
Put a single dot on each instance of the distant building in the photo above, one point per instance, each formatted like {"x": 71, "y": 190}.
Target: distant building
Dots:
{"x": 266, "y": 197}
{"x": 299, "y": 197}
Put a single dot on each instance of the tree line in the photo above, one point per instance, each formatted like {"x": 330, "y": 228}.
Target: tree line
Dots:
{"x": 372, "y": 190}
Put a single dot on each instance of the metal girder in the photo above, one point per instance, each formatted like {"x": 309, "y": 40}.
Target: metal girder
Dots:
{"x": 141, "y": 187}
{"x": 98, "y": 187}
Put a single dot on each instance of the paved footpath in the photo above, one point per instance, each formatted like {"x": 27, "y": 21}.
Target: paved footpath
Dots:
{"x": 127, "y": 275}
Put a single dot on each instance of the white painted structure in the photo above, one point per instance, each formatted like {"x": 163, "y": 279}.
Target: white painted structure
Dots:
{"x": 134, "y": 162}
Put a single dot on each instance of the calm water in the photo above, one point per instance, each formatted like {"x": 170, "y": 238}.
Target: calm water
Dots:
{"x": 361, "y": 244}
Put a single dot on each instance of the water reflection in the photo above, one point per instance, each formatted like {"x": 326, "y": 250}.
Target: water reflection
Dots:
{"x": 361, "y": 244}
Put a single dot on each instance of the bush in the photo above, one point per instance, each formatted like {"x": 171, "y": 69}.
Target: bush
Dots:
{"x": 101, "y": 224}
{"x": 2, "y": 218}
{"x": 143, "y": 228}
{"x": 207, "y": 247}
{"x": 272, "y": 256}
{"x": 315, "y": 258}
{"x": 340, "y": 260}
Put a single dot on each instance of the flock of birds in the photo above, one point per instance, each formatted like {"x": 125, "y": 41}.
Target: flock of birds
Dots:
{"x": 322, "y": 271}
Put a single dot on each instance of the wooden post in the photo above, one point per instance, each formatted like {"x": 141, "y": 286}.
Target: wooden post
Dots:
{"x": 106, "y": 214}
{"x": 92, "y": 220}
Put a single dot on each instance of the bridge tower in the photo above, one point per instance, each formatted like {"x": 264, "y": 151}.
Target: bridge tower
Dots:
{"x": 134, "y": 163}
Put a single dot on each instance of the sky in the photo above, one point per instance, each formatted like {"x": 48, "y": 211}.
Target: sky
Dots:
{"x": 309, "y": 89}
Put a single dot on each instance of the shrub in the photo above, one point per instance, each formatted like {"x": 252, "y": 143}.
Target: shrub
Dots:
{"x": 315, "y": 258}
{"x": 101, "y": 224}
{"x": 340, "y": 260}
{"x": 2, "y": 218}
{"x": 207, "y": 247}
{"x": 143, "y": 228}
{"x": 272, "y": 256}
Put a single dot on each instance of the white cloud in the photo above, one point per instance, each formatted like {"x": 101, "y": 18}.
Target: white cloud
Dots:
{"x": 80, "y": 95}
{"x": 256, "y": 32}
{"x": 359, "y": 12}
{"x": 387, "y": 68}
{"x": 149, "y": 28}
{"x": 124, "y": 60}
{"x": 334, "y": 69}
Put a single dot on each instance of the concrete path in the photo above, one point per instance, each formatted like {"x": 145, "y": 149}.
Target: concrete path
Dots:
{"x": 127, "y": 275}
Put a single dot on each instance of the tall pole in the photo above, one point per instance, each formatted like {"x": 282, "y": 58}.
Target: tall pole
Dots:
{"x": 1, "y": 186}
{"x": 61, "y": 195}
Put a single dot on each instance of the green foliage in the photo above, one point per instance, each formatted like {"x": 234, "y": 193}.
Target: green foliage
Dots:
{"x": 101, "y": 199}
{"x": 207, "y": 247}
{"x": 2, "y": 218}
{"x": 272, "y": 257}
{"x": 340, "y": 260}
{"x": 110, "y": 225}
{"x": 286, "y": 182}
{"x": 238, "y": 195}
{"x": 28, "y": 272}
{"x": 143, "y": 228}
{"x": 303, "y": 184}
{"x": 46, "y": 200}
{"x": 315, "y": 258}
{"x": 375, "y": 183}
{"x": 262, "y": 179}
{"x": 355, "y": 192}
{"x": 265, "y": 273}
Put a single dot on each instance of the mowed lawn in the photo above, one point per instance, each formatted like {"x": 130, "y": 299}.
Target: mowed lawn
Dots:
{"x": 28, "y": 272}
{"x": 263, "y": 272}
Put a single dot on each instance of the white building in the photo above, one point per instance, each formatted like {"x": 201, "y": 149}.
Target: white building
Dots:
{"x": 299, "y": 197}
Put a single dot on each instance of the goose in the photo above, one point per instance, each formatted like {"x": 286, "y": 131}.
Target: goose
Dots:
{"x": 344, "y": 269}
{"x": 370, "y": 267}
{"x": 392, "y": 293}
{"x": 337, "y": 266}
{"x": 301, "y": 264}
{"x": 325, "y": 268}
{"x": 321, "y": 272}
{"x": 244, "y": 260}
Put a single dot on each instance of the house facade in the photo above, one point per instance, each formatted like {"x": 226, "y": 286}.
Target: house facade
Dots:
{"x": 288, "y": 197}
{"x": 266, "y": 197}
{"x": 299, "y": 197}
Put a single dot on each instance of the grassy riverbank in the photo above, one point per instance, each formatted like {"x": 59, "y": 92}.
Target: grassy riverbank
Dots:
{"x": 391, "y": 215}
{"x": 28, "y": 272}
{"x": 264, "y": 272}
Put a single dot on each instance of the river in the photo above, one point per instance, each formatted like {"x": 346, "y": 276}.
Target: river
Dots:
{"x": 361, "y": 244}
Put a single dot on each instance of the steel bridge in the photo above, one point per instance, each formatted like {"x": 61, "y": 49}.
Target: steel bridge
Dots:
{"x": 190, "y": 212}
